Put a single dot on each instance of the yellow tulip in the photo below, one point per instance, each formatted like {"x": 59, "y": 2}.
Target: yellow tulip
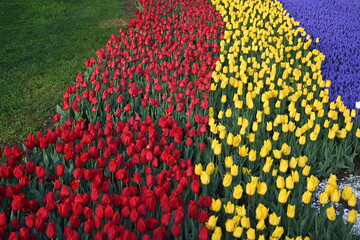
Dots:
{"x": 306, "y": 197}
{"x": 210, "y": 168}
{"x": 229, "y": 225}
{"x": 312, "y": 183}
{"x": 215, "y": 205}
{"x": 267, "y": 166}
{"x": 302, "y": 140}
{"x": 295, "y": 176}
{"x": 243, "y": 151}
{"x": 227, "y": 180}
{"x": 262, "y": 188}
{"x": 330, "y": 213}
{"x": 346, "y": 193}
{"x": 262, "y": 212}
{"x": 211, "y": 223}
{"x": 293, "y": 162}
{"x": 217, "y": 234}
{"x": 278, "y": 232}
{"x": 280, "y": 182}
{"x": 245, "y": 222}
{"x": 332, "y": 180}
{"x": 251, "y": 137}
{"x": 277, "y": 154}
{"x": 284, "y": 164}
{"x": 283, "y": 195}
{"x": 238, "y": 232}
{"x": 250, "y": 233}
{"x": 358, "y": 133}
{"x": 223, "y": 98}
{"x": 351, "y": 217}
{"x": 198, "y": 169}
{"x": 323, "y": 198}
{"x": 217, "y": 149}
{"x": 352, "y": 200}
{"x": 274, "y": 172}
{"x": 302, "y": 161}
{"x": 234, "y": 170}
{"x": 229, "y": 207}
{"x": 286, "y": 149}
{"x": 230, "y": 139}
{"x": 240, "y": 210}
{"x": 260, "y": 225}
{"x": 274, "y": 219}
{"x": 228, "y": 113}
{"x": 205, "y": 178}
{"x": 238, "y": 191}
{"x": 236, "y": 140}
{"x": 291, "y": 211}
{"x": 252, "y": 155}
{"x": 289, "y": 182}
{"x": 306, "y": 170}
{"x": 335, "y": 196}
{"x": 229, "y": 161}
{"x": 276, "y": 136}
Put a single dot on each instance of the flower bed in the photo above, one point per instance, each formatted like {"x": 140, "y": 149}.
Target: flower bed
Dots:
{"x": 193, "y": 123}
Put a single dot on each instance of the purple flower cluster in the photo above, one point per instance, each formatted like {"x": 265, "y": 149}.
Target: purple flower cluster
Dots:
{"x": 337, "y": 24}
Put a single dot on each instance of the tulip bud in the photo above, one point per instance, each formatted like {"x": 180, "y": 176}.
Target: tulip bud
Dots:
{"x": 330, "y": 213}
{"x": 291, "y": 211}
{"x": 323, "y": 198}
{"x": 352, "y": 200}
{"x": 347, "y": 192}
{"x": 283, "y": 195}
{"x": 274, "y": 219}
{"x": 306, "y": 197}
{"x": 215, "y": 205}
{"x": 238, "y": 232}
{"x": 351, "y": 217}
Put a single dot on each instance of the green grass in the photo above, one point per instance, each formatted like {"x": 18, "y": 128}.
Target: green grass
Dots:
{"x": 43, "y": 45}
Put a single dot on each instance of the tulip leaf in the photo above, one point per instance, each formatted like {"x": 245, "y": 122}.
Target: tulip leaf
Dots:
{"x": 34, "y": 194}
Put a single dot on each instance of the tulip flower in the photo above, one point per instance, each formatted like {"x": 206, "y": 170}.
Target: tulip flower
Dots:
{"x": 330, "y": 213}
{"x": 352, "y": 215}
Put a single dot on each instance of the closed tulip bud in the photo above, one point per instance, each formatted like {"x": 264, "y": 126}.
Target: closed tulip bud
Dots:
{"x": 291, "y": 211}
{"x": 323, "y": 198}
{"x": 234, "y": 170}
{"x": 230, "y": 139}
{"x": 335, "y": 196}
{"x": 312, "y": 183}
{"x": 251, "y": 188}
{"x": 266, "y": 168}
{"x": 217, "y": 149}
{"x": 250, "y": 234}
{"x": 262, "y": 188}
{"x": 346, "y": 193}
{"x": 277, "y": 154}
{"x": 278, "y": 232}
{"x": 229, "y": 207}
{"x": 255, "y": 126}
{"x": 276, "y": 136}
{"x": 198, "y": 169}
{"x": 269, "y": 126}
{"x": 274, "y": 219}
{"x": 251, "y": 137}
{"x": 227, "y": 180}
{"x": 215, "y": 205}
{"x": 293, "y": 162}
{"x": 289, "y": 182}
{"x": 220, "y": 114}
{"x": 217, "y": 234}
{"x": 205, "y": 178}
{"x": 295, "y": 176}
{"x": 351, "y": 217}
{"x": 210, "y": 168}
{"x": 358, "y": 133}
{"x": 332, "y": 180}
{"x": 286, "y": 149}
{"x": 245, "y": 222}
{"x": 260, "y": 225}
{"x": 223, "y": 98}
{"x": 240, "y": 210}
{"x": 284, "y": 165}
{"x": 211, "y": 223}
{"x": 228, "y": 113}
{"x": 274, "y": 172}
{"x": 252, "y": 155}
{"x": 306, "y": 197}
{"x": 229, "y": 225}
{"x": 229, "y": 161}
{"x": 283, "y": 196}
{"x": 236, "y": 140}
{"x": 243, "y": 151}
{"x": 330, "y": 213}
{"x": 238, "y": 191}
{"x": 280, "y": 182}
{"x": 306, "y": 170}
{"x": 352, "y": 200}
{"x": 302, "y": 161}
{"x": 262, "y": 212}
{"x": 302, "y": 140}
{"x": 238, "y": 232}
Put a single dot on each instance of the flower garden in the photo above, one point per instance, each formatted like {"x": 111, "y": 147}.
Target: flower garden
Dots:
{"x": 204, "y": 120}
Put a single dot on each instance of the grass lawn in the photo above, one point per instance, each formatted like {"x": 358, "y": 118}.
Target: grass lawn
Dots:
{"x": 43, "y": 44}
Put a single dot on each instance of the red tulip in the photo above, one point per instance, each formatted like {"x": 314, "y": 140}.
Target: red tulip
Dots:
{"x": 175, "y": 230}
{"x": 51, "y": 230}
